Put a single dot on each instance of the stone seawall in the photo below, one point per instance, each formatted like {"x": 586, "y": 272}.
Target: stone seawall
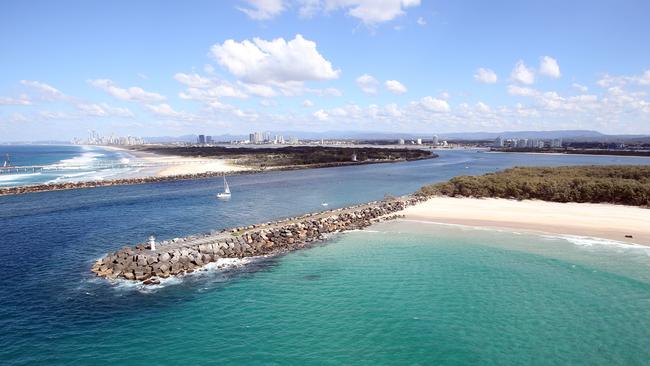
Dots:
{"x": 184, "y": 255}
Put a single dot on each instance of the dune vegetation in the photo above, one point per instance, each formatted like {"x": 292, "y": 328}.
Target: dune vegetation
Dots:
{"x": 626, "y": 185}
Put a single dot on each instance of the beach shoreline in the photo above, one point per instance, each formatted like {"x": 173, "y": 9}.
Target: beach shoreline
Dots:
{"x": 606, "y": 221}
{"x": 159, "y": 165}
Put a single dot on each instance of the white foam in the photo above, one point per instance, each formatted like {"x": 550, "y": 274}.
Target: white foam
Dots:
{"x": 593, "y": 242}
{"x": 221, "y": 265}
{"x": 83, "y": 161}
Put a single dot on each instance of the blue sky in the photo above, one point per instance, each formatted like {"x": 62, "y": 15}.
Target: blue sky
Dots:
{"x": 153, "y": 68}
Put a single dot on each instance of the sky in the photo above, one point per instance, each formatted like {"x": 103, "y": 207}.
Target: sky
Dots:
{"x": 163, "y": 68}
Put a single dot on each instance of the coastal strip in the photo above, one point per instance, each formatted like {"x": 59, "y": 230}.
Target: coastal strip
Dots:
{"x": 148, "y": 263}
{"x": 7, "y": 191}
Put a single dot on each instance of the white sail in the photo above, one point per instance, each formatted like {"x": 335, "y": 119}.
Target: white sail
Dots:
{"x": 226, "y": 189}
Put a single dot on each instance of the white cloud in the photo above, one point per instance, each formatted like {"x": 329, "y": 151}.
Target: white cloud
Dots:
{"x": 46, "y": 91}
{"x": 435, "y": 104}
{"x": 609, "y": 80}
{"x": 548, "y": 66}
{"x": 395, "y": 87}
{"x": 421, "y": 21}
{"x": 482, "y": 107}
{"x": 522, "y": 74}
{"x": 134, "y": 93}
{"x": 207, "y": 89}
{"x": 277, "y": 61}
{"x": 263, "y": 9}
{"x": 367, "y": 83}
{"x": 370, "y": 12}
{"x": 307, "y": 103}
{"x": 486, "y": 76}
{"x": 580, "y": 87}
{"x": 393, "y": 110}
{"x": 321, "y": 115}
{"x": 263, "y": 91}
{"x": 103, "y": 110}
{"x": 23, "y": 99}
{"x": 522, "y": 91}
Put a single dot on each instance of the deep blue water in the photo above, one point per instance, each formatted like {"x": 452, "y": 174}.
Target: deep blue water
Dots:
{"x": 54, "y": 312}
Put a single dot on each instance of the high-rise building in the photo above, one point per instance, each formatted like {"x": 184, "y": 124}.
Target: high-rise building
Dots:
{"x": 522, "y": 143}
{"x": 208, "y": 139}
{"x": 201, "y": 139}
{"x": 498, "y": 142}
{"x": 419, "y": 141}
{"x": 400, "y": 141}
{"x": 556, "y": 143}
{"x": 435, "y": 141}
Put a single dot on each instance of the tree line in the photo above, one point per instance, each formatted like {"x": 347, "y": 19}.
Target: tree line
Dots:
{"x": 626, "y": 185}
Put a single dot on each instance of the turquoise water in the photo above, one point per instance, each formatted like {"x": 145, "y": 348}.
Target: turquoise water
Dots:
{"x": 402, "y": 293}
{"x": 398, "y": 296}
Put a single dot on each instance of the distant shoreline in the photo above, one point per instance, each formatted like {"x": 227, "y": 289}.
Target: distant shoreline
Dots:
{"x": 588, "y": 152}
{"x": 157, "y": 178}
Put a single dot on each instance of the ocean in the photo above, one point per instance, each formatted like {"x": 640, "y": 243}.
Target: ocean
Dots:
{"x": 64, "y": 163}
{"x": 398, "y": 293}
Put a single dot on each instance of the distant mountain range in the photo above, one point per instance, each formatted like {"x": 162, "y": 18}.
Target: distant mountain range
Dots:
{"x": 574, "y": 135}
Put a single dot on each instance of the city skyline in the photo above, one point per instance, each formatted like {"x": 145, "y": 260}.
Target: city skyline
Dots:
{"x": 239, "y": 66}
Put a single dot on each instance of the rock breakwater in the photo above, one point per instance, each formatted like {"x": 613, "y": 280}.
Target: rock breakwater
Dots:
{"x": 185, "y": 255}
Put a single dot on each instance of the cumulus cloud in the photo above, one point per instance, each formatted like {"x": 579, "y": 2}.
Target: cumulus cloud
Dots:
{"x": 486, "y": 76}
{"x": 522, "y": 74}
{"x": 307, "y": 103}
{"x": 321, "y": 115}
{"x": 395, "y": 87}
{"x": 421, "y": 21}
{"x": 262, "y": 9}
{"x": 367, "y": 83}
{"x": 277, "y": 61}
{"x": 548, "y": 66}
{"x": 134, "y": 93}
{"x": 435, "y": 104}
{"x": 207, "y": 89}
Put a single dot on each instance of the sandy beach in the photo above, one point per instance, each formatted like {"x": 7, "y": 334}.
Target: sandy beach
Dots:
{"x": 585, "y": 219}
{"x": 169, "y": 165}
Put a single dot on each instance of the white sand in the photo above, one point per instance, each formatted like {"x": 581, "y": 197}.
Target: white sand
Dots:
{"x": 166, "y": 165}
{"x": 176, "y": 165}
{"x": 585, "y": 219}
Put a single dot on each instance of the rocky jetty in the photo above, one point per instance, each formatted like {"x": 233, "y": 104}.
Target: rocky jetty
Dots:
{"x": 106, "y": 183}
{"x": 185, "y": 255}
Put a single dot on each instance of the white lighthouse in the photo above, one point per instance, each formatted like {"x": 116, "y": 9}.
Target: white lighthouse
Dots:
{"x": 152, "y": 242}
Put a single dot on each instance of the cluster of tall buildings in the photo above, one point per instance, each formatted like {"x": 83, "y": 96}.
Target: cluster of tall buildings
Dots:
{"x": 268, "y": 138}
{"x": 94, "y": 138}
{"x": 527, "y": 143}
{"x": 435, "y": 141}
{"x": 205, "y": 140}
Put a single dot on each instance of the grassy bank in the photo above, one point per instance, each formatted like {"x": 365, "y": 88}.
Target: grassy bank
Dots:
{"x": 626, "y": 185}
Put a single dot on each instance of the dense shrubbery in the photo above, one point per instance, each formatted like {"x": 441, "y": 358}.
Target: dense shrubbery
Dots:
{"x": 293, "y": 155}
{"x": 627, "y": 185}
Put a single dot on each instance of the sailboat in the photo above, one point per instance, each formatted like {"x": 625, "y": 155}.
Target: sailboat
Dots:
{"x": 226, "y": 190}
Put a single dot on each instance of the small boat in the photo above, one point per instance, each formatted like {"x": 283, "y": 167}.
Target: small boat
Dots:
{"x": 226, "y": 190}
{"x": 325, "y": 204}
